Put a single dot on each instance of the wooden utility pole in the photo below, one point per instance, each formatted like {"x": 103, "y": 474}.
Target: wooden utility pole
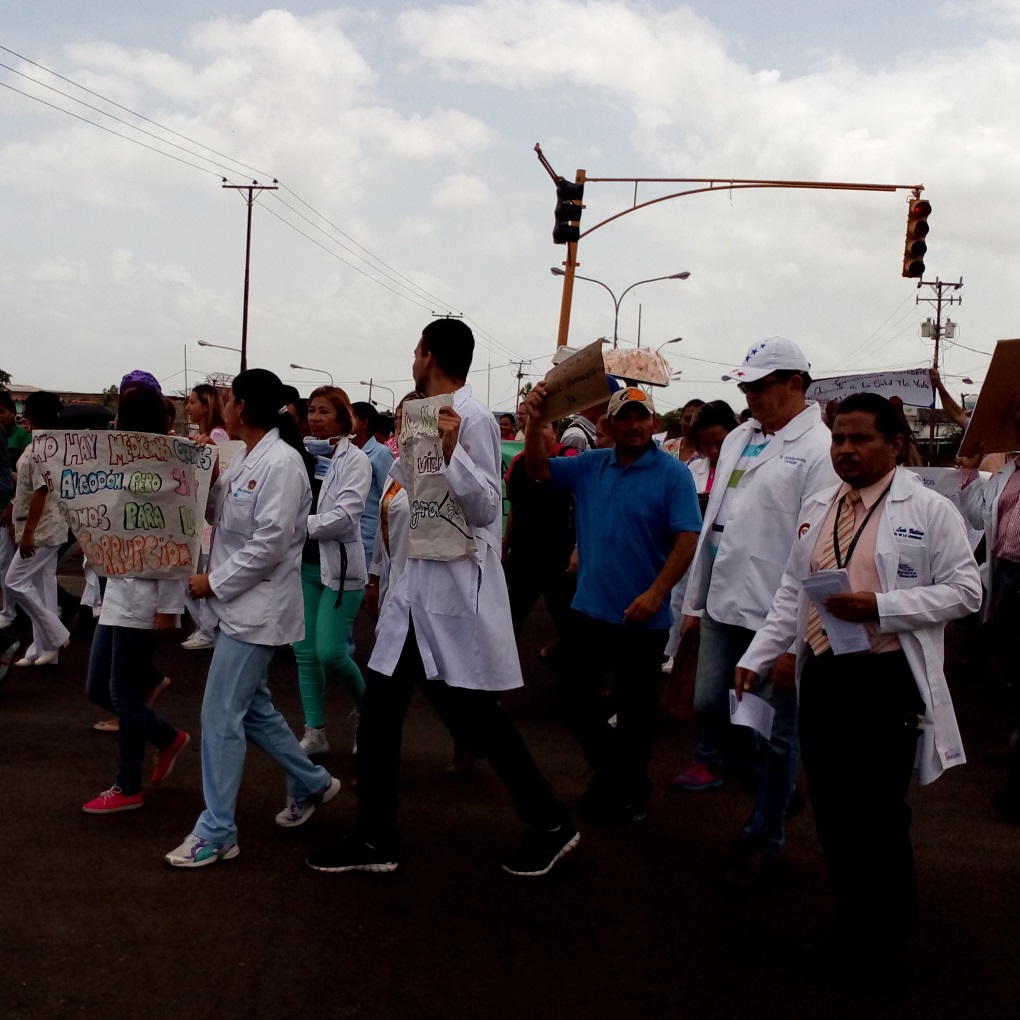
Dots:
{"x": 251, "y": 189}
{"x": 938, "y": 286}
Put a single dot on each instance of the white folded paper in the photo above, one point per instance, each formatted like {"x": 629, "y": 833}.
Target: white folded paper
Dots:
{"x": 844, "y": 635}
{"x": 752, "y": 711}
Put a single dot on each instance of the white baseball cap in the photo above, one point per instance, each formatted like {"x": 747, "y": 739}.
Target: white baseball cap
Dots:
{"x": 773, "y": 354}
{"x": 630, "y": 395}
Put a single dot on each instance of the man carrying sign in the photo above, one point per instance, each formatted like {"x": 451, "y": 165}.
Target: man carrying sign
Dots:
{"x": 446, "y": 623}
{"x": 637, "y": 520}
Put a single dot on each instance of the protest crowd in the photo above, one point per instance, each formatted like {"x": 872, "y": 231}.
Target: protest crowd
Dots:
{"x": 745, "y": 574}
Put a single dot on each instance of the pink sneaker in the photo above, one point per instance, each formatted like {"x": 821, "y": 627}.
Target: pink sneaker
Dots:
{"x": 165, "y": 759}
{"x": 112, "y": 800}
{"x": 697, "y": 776}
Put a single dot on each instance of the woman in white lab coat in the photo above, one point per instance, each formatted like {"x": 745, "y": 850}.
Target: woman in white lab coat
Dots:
{"x": 252, "y": 602}
{"x": 333, "y": 571}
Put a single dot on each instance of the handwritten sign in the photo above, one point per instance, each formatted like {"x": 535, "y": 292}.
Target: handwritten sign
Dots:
{"x": 995, "y": 424}
{"x": 912, "y": 386}
{"x": 439, "y": 530}
{"x": 577, "y": 383}
{"x": 134, "y": 501}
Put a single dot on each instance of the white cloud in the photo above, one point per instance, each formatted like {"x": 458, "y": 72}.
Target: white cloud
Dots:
{"x": 461, "y": 190}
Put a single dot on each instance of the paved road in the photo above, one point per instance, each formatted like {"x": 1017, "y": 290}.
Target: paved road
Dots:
{"x": 92, "y": 925}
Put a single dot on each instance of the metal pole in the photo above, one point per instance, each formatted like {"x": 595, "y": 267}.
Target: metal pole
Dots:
{"x": 616, "y": 317}
{"x": 247, "y": 264}
{"x": 186, "y": 390}
{"x": 568, "y": 294}
{"x": 370, "y": 389}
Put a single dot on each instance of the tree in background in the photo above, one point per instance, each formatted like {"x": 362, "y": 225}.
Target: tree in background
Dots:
{"x": 5, "y": 380}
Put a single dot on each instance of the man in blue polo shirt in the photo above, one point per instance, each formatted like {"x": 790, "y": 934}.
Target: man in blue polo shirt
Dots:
{"x": 637, "y": 521}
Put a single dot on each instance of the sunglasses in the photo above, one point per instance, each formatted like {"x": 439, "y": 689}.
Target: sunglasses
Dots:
{"x": 760, "y": 386}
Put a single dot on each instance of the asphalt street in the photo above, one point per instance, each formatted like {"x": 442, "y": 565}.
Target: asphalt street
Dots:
{"x": 633, "y": 924}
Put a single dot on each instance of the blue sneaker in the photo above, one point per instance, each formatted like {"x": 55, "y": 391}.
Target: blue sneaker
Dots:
{"x": 196, "y": 852}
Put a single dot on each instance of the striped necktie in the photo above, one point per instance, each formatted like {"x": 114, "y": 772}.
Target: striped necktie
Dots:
{"x": 815, "y": 635}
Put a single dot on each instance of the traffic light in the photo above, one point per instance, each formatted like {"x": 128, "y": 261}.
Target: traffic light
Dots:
{"x": 568, "y": 211}
{"x": 915, "y": 248}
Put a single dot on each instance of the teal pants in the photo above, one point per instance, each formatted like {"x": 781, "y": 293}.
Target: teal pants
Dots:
{"x": 327, "y": 632}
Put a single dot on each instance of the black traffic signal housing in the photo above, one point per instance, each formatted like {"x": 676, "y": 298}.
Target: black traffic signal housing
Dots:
{"x": 568, "y": 211}
{"x": 914, "y": 250}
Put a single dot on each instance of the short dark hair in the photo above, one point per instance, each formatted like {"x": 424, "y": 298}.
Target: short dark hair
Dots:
{"x": 889, "y": 420}
{"x": 42, "y": 409}
{"x": 451, "y": 343}
{"x": 142, "y": 410}
{"x": 783, "y": 374}
{"x": 6, "y": 400}
{"x": 367, "y": 413}
{"x": 715, "y": 412}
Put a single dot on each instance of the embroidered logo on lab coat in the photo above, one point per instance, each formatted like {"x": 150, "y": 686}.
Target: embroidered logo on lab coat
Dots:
{"x": 906, "y": 570}
{"x": 803, "y": 530}
{"x": 251, "y": 485}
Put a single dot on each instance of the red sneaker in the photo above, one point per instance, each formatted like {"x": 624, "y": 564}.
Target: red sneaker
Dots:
{"x": 697, "y": 777}
{"x": 113, "y": 800}
{"x": 165, "y": 759}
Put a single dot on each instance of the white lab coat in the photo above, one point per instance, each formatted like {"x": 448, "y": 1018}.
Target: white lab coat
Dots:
{"x": 928, "y": 576}
{"x": 134, "y": 601}
{"x": 460, "y": 609}
{"x": 259, "y": 507}
{"x": 337, "y": 517}
{"x": 761, "y": 521}
{"x": 980, "y": 505}
{"x": 388, "y": 565}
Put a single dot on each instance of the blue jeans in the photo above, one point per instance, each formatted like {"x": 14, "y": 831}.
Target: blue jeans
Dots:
{"x": 120, "y": 676}
{"x": 774, "y": 761}
{"x": 236, "y": 708}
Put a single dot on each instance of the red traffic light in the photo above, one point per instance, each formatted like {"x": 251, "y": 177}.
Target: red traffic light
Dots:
{"x": 915, "y": 248}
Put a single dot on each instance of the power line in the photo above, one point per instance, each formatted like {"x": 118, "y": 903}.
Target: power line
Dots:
{"x": 493, "y": 342}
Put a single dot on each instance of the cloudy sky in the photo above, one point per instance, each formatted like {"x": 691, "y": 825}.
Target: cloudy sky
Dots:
{"x": 402, "y": 137}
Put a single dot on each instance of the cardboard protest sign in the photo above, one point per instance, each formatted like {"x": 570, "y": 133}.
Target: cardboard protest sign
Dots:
{"x": 438, "y": 528}
{"x": 912, "y": 386}
{"x": 135, "y": 502}
{"x": 577, "y": 383}
{"x": 946, "y": 480}
{"x": 995, "y": 424}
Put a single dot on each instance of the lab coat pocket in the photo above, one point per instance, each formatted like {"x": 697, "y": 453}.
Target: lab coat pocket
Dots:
{"x": 453, "y": 591}
{"x": 912, "y": 567}
{"x": 238, "y": 514}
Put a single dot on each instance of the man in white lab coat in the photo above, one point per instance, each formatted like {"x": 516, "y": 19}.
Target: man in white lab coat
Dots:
{"x": 767, "y": 467}
{"x": 910, "y": 570}
{"x": 447, "y": 624}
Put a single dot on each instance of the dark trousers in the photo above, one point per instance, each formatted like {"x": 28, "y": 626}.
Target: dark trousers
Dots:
{"x": 473, "y": 716}
{"x": 528, "y": 578}
{"x": 120, "y": 676}
{"x": 1003, "y": 617}
{"x": 619, "y": 756}
{"x": 858, "y": 734}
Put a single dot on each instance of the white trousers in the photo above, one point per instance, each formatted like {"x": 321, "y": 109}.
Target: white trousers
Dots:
{"x": 8, "y": 550}
{"x": 33, "y": 581}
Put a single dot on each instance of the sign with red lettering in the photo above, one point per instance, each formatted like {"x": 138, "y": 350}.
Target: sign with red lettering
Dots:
{"x": 135, "y": 502}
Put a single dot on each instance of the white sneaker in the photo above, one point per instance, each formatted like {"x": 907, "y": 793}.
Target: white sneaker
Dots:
{"x": 667, "y": 666}
{"x": 298, "y": 811}
{"x": 314, "y": 741}
{"x": 197, "y": 642}
{"x": 195, "y": 852}
{"x": 356, "y": 715}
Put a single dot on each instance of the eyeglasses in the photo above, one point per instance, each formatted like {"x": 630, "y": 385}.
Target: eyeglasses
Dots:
{"x": 760, "y": 386}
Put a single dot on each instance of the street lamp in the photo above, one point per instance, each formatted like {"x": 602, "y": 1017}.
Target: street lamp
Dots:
{"x": 205, "y": 343}
{"x": 675, "y": 340}
{"x": 556, "y": 271}
{"x": 305, "y": 368}
{"x": 370, "y": 384}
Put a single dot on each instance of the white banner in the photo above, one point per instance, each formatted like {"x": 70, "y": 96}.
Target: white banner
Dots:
{"x": 912, "y": 386}
{"x": 135, "y": 502}
{"x": 438, "y": 528}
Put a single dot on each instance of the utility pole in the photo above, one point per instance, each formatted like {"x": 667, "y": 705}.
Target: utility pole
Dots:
{"x": 934, "y": 329}
{"x": 250, "y": 201}
{"x": 520, "y": 375}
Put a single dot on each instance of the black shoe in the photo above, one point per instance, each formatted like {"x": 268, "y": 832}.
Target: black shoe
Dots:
{"x": 352, "y": 854}
{"x": 606, "y": 812}
{"x": 749, "y": 869}
{"x": 541, "y": 850}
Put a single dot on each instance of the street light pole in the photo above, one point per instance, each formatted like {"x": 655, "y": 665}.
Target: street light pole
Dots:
{"x": 205, "y": 343}
{"x": 370, "y": 384}
{"x": 306, "y": 368}
{"x": 556, "y": 271}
